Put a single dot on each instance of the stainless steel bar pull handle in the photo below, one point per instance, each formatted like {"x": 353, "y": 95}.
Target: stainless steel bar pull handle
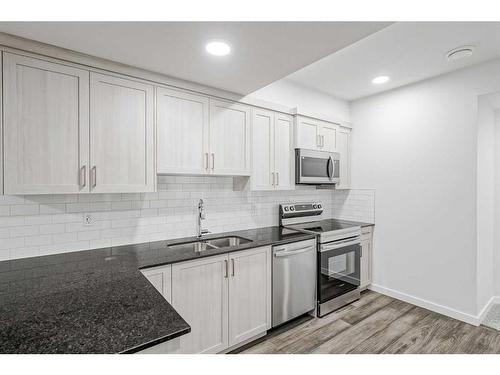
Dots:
{"x": 213, "y": 161}
{"x": 277, "y": 178}
{"x": 94, "y": 179}
{"x": 232, "y": 266}
{"x": 207, "y": 167}
{"x": 273, "y": 177}
{"x": 279, "y": 254}
{"x": 84, "y": 171}
{"x": 226, "y": 267}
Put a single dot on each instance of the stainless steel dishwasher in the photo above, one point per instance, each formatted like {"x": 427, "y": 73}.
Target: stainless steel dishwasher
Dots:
{"x": 294, "y": 280}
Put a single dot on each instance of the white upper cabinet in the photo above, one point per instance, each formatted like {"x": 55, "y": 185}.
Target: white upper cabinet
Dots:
{"x": 284, "y": 154}
{"x": 229, "y": 138}
{"x": 121, "y": 135}
{"x": 263, "y": 175}
{"x": 344, "y": 149}
{"x": 46, "y": 127}
{"x": 272, "y": 149}
{"x": 306, "y": 133}
{"x": 315, "y": 134}
{"x": 328, "y": 136}
{"x": 182, "y": 132}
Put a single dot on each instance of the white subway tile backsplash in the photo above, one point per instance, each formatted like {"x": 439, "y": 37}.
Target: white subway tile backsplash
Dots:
{"x": 44, "y": 239}
{"x": 52, "y": 228}
{"x": 24, "y": 209}
{"x": 355, "y": 204}
{"x": 11, "y": 243}
{"x": 48, "y": 224}
{"x": 65, "y": 237}
{"x": 24, "y": 230}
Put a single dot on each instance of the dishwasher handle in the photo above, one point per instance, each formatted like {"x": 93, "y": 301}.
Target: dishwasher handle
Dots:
{"x": 284, "y": 253}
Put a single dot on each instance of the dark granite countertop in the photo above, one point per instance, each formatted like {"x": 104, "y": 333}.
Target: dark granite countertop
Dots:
{"x": 98, "y": 301}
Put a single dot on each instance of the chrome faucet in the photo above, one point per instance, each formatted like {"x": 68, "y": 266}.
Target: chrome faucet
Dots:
{"x": 201, "y": 216}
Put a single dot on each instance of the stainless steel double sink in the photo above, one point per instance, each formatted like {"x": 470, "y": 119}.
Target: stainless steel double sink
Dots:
{"x": 210, "y": 244}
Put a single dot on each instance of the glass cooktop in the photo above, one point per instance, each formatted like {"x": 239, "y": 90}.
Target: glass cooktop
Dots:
{"x": 321, "y": 226}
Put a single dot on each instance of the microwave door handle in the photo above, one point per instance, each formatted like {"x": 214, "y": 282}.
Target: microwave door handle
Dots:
{"x": 330, "y": 167}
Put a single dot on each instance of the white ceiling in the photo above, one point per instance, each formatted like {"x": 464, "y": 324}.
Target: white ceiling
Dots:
{"x": 262, "y": 52}
{"x": 405, "y": 51}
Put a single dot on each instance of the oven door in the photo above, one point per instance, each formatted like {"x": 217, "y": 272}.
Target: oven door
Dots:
{"x": 338, "y": 268}
{"x": 316, "y": 167}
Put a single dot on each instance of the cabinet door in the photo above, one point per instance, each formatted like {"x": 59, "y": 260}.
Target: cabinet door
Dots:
{"x": 182, "y": 132}
{"x": 366, "y": 258}
{"x": 284, "y": 160}
{"x": 307, "y": 133}
{"x": 46, "y": 126}
{"x": 249, "y": 294}
{"x": 121, "y": 135}
{"x": 263, "y": 174}
{"x": 200, "y": 296}
{"x": 329, "y": 137}
{"x": 229, "y": 138}
{"x": 161, "y": 278}
{"x": 344, "y": 149}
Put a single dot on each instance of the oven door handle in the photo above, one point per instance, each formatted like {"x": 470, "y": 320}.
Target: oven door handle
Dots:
{"x": 285, "y": 253}
{"x": 339, "y": 245}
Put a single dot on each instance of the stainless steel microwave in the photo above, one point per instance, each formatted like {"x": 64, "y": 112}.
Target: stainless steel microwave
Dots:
{"x": 316, "y": 167}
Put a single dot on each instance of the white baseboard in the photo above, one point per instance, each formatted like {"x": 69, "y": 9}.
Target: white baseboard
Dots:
{"x": 452, "y": 313}
{"x": 493, "y": 301}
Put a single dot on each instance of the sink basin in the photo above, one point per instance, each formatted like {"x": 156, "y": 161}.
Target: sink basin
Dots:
{"x": 228, "y": 241}
{"x": 214, "y": 243}
{"x": 192, "y": 246}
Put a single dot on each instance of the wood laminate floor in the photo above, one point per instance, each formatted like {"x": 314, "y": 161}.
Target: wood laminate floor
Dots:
{"x": 378, "y": 324}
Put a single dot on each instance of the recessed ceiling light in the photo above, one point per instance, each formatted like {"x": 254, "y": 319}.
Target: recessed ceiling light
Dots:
{"x": 460, "y": 52}
{"x": 218, "y": 48}
{"x": 380, "y": 79}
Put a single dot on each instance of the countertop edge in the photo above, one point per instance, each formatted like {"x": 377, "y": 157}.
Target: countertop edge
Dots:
{"x": 154, "y": 342}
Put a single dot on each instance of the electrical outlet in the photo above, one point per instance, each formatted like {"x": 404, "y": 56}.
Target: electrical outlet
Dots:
{"x": 88, "y": 219}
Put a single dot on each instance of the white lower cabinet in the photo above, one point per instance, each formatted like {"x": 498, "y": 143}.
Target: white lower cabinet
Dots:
{"x": 200, "y": 296}
{"x": 161, "y": 278}
{"x": 225, "y": 299}
{"x": 366, "y": 256}
{"x": 249, "y": 294}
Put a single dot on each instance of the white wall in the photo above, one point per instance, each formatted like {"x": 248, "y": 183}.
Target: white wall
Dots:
{"x": 417, "y": 146}
{"x": 292, "y": 95}
{"x": 496, "y": 251}
{"x": 485, "y": 199}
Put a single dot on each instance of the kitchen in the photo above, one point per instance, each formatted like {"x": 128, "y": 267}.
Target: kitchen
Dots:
{"x": 226, "y": 201}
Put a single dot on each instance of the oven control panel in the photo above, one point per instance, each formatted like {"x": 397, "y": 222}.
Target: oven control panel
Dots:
{"x": 300, "y": 209}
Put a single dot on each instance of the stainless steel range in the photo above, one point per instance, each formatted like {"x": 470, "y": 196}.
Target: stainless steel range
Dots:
{"x": 338, "y": 253}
